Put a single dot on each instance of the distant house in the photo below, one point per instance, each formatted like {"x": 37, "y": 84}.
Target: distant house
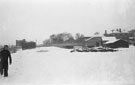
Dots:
{"x": 28, "y": 45}
{"x": 122, "y": 39}
{"x": 78, "y": 42}
{"x": 97, "y": 41}
{"x": 117, "y": 44}
{"x": 25, "y": 45}
{"x": 93, "y": 42}
{"x": 89, "y": 42}
{"x": 19, "y": 43}
{"x": 119, "y": 35}
{"x": 108, "y": 39}
{"x": 81, "y": 43}
{"x": 132, "y": 36}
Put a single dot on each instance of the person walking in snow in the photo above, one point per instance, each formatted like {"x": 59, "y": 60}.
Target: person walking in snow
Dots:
{"x": 5, "y": 55}
{"x": 0, "y": 63}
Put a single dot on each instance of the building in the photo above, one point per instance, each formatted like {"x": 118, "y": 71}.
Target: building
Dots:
{"x": 25, "y": 45}
{"x": 113, "y": 42}
{"x": 19, "y": 43}
{"x": 108, "y": 39}
{"x": 28, "y": 45}
{"x": 93, "y": 42}
{"x": 117, "y": 44}
{"x": 132, "y": 36}
{"x": 83, "y": 42}
{"x": 119, "y": 35}
{"x": 89, "y": 42}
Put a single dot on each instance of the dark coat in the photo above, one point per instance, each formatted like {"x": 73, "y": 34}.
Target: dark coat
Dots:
{"x": 0, "y": 62}
{"x": 5, "y": 55}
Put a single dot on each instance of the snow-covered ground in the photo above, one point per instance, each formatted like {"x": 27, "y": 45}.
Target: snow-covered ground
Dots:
{"x": 57, "y": 66}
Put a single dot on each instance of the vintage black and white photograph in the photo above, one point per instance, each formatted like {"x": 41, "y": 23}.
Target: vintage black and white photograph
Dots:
{"x": 67, "y": 42}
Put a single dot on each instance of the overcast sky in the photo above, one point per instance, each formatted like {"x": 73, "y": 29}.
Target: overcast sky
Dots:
{"x": 38, "y": 19}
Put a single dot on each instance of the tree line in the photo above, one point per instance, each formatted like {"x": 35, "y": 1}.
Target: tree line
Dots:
{"x": 63, "y": 38}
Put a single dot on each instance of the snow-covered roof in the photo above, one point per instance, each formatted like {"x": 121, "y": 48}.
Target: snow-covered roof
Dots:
{"x": 89, "y": 39}
{"x": 109, "y": 39}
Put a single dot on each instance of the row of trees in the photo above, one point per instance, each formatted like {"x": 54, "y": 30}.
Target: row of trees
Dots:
{"x": 63, "y": 38}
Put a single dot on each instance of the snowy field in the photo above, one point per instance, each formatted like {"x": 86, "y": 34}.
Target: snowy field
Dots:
{"x": 57, "y": 66}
